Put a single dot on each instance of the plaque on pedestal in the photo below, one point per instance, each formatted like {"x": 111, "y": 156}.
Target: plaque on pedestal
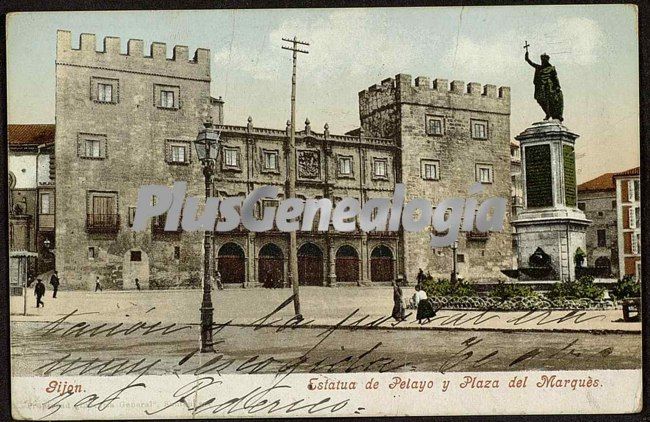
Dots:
{"x": 550, "y": 223}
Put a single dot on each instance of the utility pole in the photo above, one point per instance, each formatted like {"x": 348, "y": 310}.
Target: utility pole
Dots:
{"x": 291, "y": 176}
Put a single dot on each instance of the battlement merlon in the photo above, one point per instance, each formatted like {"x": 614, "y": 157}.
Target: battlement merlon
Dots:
{"x": 111, "y": 57}
{"x": 402, "y": 89}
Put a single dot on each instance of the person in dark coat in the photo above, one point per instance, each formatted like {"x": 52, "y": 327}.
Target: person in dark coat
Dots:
{"x": 421, "y": 277}
{"x": 54, "y": 281}
{"x": 39, "y": 292}
{"x": 137, "y": 284}
{"x": 398, "y": 303}
{"x": 98, "y": 285}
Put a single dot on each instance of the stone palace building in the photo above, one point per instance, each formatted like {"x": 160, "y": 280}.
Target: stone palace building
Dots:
{"x": 128, "y": 119}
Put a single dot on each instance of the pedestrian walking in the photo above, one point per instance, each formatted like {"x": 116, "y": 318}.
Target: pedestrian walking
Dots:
{"x": 98, "y": 285}
{"x": 137, "y": 284}
{"x": 219, "y": 283}
{"x": 398, "y": 303}
{"x": 423, "y": 304}
{"x": 54, "y": 281}
{"x": 39, "y": 292}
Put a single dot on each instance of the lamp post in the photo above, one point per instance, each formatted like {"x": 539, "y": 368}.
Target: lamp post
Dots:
{"x": 206, "y": 145}
{"x": 454, "y": 271}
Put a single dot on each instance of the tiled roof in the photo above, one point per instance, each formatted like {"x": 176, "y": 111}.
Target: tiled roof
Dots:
{"x": 30, "y": 135}
{"x": 631, "y": 172}
{"x": 604, "y": 182}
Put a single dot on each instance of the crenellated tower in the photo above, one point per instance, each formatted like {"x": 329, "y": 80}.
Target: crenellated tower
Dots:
{"x": 125, "y": 119}
{"x": 451, "y": 135}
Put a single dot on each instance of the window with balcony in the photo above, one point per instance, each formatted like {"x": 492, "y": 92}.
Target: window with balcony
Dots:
{"x": 102, "y": 212}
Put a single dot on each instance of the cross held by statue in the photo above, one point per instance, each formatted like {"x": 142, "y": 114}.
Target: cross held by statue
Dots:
{"x": 526, "y": 45}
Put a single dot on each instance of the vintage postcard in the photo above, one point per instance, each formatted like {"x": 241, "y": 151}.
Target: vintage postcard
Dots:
{"x": 324, "y": 212}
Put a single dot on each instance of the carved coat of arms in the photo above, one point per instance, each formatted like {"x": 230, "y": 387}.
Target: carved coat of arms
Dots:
{"x": 308, "y": 164}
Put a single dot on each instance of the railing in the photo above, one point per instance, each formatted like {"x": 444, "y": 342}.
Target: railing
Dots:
{"x": 102, "y": 223}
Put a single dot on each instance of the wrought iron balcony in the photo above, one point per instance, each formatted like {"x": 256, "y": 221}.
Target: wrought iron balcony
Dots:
{"x": 102, "y": 223}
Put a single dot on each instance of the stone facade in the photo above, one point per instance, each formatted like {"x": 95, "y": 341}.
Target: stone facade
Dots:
{"x": 117, "y": 115}
{"x": 597, "y": 198}
{"x": 126, "y": 119}
{"x": 329, "y": 166}
{"x": 460, "y": 128}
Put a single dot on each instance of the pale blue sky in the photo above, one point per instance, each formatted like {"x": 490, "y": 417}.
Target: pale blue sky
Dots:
{"x": 594, "y": 48}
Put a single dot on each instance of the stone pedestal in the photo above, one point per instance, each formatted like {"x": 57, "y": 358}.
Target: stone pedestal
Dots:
{"x": 550, "y": 219}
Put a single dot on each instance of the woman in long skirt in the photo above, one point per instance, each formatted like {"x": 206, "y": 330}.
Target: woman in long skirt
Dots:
{"x": 425, "y": 307}
{"x": 398, "y": 304}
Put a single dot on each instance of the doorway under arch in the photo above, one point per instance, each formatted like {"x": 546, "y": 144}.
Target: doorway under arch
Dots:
{"x": 270, "y": 266}
{"x": 347, "y": 264}
{"x": 381, "y": 264}
{"x": 310, "y": 265}
{"x": 231, "y": 263}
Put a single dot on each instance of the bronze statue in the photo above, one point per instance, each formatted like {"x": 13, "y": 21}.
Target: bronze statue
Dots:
{"x": 547, "y": 88}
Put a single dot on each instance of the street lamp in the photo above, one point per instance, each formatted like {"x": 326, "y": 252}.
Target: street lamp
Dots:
{"x": 206, "y": 144}
{"x": 454, "y": 272}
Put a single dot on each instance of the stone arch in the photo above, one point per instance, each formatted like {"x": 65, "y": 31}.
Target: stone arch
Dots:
{"x": 347, "y": 264}
{"x": 310, "y": 264}
{"x": 231, "y": 263}
{"x": 270, "y": 266}
{"x": 382, "y": 264}
{"x": 135, "y": 264}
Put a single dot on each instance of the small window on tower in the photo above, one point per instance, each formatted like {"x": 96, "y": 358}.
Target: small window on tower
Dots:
{"x": 136, "y": 256}
{"x": 435, "y": 125}
{"x": 484, "y": 173}
{"x": 177, "y": 252}
{"x": 167, "y": 97}
{"x": 479, "y": 129}
{"x": 105, "y": 93}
